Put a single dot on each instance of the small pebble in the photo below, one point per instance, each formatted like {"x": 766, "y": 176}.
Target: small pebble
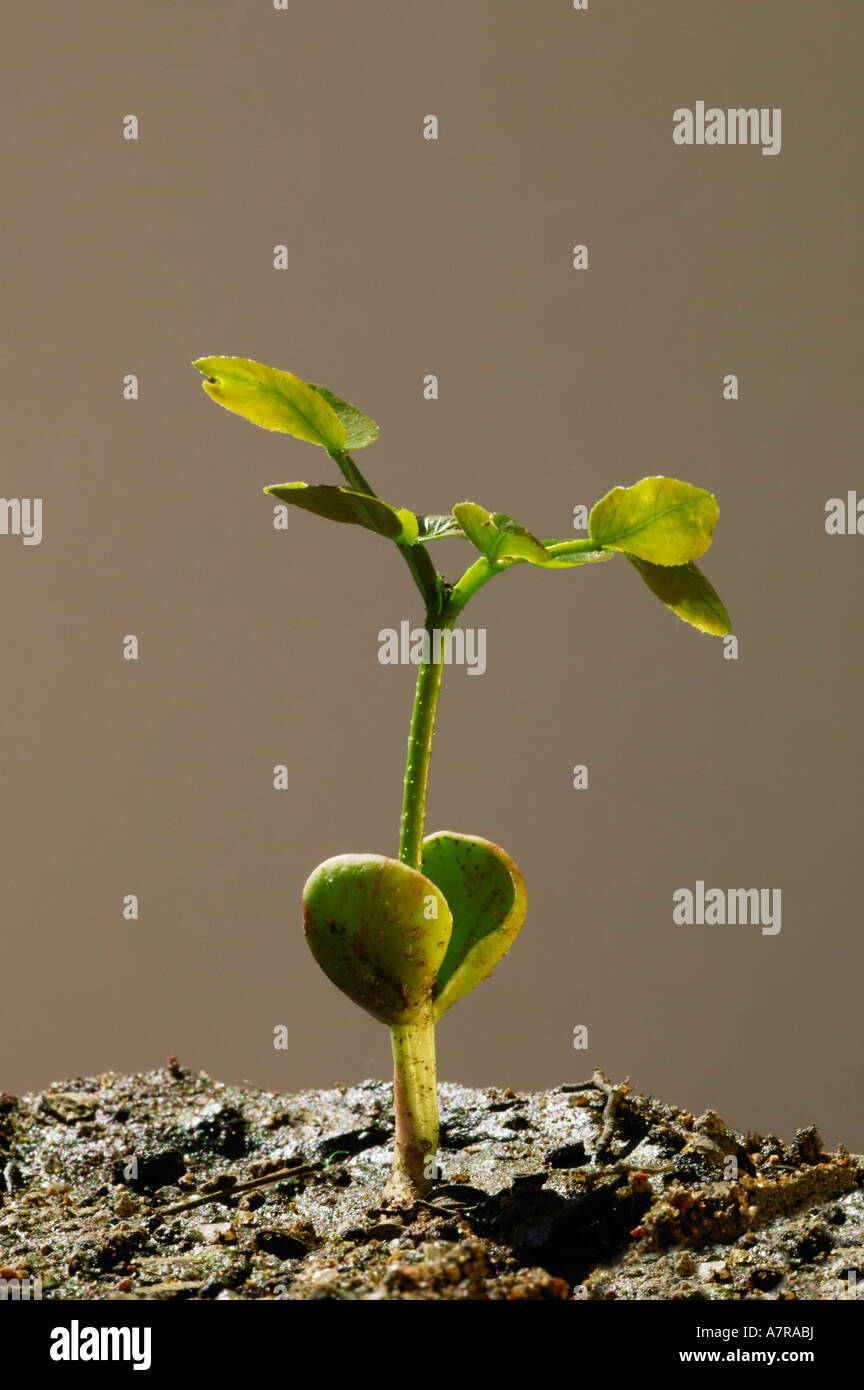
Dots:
{"x": 217, "y": 1232}
{"x": 125, "y": 1205}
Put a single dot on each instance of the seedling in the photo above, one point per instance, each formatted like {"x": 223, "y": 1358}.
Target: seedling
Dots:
{"x": 407, "y": 938}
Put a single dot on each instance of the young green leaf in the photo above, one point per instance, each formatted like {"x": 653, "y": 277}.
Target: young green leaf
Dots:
{"x": 477, "y": 525}
{"x": 379, "y": 930}
{"x": 685, "y": 590}
{"x": 499, "y": 537}
{"x": 359, "y": 429}
{"x": 516, "y": 543}
{"x": 433, "y": 528}
{"x": 486, "y": 895}
{"x": 273, "y": 399}
{"x": 353, "y": 508}
{"x": 661, "y": 520}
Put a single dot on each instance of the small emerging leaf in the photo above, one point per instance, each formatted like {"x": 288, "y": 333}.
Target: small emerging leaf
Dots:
{"x": 378, "y": 930}
{"x": 353, "y": 508}
{"x": 517, "y": 543}
{"x": 499, "y": 537}
{"x": 433, "y": 528}
{"x": 272, "y": 399}
{"x": 486, "y": 896}
{"x": 359, "y": 429}
{"x": 661, "y": 520}
{"x": 477, "y": 525}
{"x": 685, "y": 590}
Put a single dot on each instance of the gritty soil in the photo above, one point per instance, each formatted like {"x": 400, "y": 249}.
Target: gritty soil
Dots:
{"x": 171, "y": 1185}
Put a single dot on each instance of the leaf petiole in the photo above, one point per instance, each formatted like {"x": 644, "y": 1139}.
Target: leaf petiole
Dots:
{"x": 416, "y": 556}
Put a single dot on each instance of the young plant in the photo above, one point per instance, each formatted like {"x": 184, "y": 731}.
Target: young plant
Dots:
{"x": 407, "y": 938}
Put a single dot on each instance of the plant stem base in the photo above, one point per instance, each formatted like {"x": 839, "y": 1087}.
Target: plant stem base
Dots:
{"x": 415, "y": 1101}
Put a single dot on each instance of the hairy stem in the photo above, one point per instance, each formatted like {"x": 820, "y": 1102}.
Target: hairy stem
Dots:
{"x": 415, "y": 1084}
{"x": 420, "y": 738}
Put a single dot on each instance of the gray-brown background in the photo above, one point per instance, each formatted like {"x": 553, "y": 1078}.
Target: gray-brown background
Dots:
{"x": 259, "y": 647}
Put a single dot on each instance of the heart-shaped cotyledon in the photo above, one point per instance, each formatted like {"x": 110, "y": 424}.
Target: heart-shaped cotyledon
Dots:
{"x": 379, "y": 930}
{"x": 486, "y": 895}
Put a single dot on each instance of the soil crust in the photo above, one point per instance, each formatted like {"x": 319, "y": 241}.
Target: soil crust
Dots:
{"x": 172, "y": 1185}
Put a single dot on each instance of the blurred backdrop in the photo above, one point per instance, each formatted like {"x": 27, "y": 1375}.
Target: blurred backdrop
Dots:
{"x": 409, "y": 257}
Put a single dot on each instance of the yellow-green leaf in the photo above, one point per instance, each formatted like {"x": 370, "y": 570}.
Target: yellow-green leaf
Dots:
{"x": 477, "y": 525}
{"x": 661, "y": 520}
{"x": 354, "y": 508}
{"x": 273, "y": 399}
{"x": 685, "y": 590}
{"x": 359, "y": 429}
{"x": 499, "y": 537}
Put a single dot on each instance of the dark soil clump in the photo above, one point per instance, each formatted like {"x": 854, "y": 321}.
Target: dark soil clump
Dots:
{"x": 172, "y": 1185}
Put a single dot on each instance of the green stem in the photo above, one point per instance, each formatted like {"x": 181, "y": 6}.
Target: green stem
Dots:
{"x": 474, "y": 578}
{"x": 483, "y": 570}
{"x": 426, "y": 697}
{"x": 415, "y": 1091}
{"x": 415, "y": 1084}
{"x": 350, "y": 472}
{"x": 416, "y": 557}
{"x": 420, "y": 738}
{"x": 424, "y": 574}
{"x": 415, "y": 1101}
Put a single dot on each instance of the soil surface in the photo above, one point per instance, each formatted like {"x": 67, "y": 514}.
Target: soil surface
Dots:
{"x": 172, "y": 1185}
